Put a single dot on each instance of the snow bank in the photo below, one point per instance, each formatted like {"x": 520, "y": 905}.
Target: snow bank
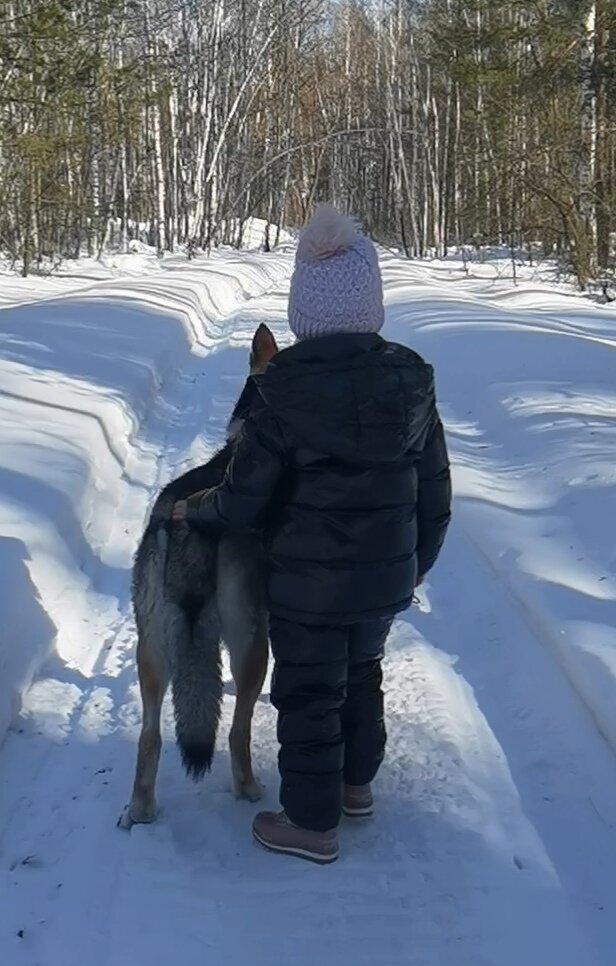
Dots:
{"x": 77, "y": 275}
{"x": 79, "y": 375}
{"x": 526, "y": 381}
{"x": 71, "y": 275}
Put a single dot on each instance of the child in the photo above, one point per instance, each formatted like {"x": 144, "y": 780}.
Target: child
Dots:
{"x": 343, "y": 464}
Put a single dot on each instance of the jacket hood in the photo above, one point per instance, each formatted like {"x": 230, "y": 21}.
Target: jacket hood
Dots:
{"x": 356, "y": 397}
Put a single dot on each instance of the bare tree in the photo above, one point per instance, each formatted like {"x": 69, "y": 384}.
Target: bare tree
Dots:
{"x": 438, "y": 122}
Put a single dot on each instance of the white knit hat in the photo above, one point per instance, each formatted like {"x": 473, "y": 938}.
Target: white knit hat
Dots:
{"x": 336, "y": 285}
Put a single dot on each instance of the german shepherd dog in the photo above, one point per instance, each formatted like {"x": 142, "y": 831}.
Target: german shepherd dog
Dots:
{"x": 189, "y": 591}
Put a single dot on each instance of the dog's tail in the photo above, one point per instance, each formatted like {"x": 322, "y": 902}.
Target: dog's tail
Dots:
{"x": 186, "y": 629}
{"x": 197, "y": 688}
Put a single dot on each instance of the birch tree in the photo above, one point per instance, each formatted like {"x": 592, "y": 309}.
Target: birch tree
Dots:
{"x": 437, "y": 122}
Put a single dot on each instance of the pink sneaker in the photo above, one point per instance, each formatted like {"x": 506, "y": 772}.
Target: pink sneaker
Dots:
{"x": 275, "y": 831}
{"x": 357, "y": 801}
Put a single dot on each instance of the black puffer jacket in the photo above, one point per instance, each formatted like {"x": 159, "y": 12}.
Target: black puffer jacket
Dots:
{"x": 343, "y": 463}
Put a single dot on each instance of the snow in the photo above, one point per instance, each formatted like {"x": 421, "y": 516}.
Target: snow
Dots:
{"x": 79, "y": 376}
{"x": 493, "y": 843}
{"x": 529, "y": 397}
{"x": 53, "y": 279}
{"x": 72, "y": 275}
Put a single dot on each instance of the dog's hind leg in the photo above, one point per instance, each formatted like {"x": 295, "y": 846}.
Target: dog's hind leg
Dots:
{"x": 248, "y": 666}
{"x": 240, "y": 596}
{"x": 153, "y": 681}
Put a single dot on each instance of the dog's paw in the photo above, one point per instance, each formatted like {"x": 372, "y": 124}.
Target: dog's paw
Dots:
{"x": 125, "y": 820}
{"x": 250, "y": 791}
{"x": 133, "y": 815}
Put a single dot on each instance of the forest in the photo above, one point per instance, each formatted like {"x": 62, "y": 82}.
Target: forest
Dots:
{"x": 438, "y": 123}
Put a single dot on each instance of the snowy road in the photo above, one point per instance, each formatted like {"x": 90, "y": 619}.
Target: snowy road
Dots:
{"x": 494, "y": 841}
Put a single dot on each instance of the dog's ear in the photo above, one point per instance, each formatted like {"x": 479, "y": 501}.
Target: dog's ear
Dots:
{"x": 264, "y": 349}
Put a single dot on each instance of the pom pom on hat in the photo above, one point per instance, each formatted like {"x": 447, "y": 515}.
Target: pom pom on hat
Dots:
{"x": 327, "y": 233}
{"x": 336, "y": 286}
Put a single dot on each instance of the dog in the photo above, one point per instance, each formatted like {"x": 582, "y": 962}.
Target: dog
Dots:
{"x": 189, "y": 592}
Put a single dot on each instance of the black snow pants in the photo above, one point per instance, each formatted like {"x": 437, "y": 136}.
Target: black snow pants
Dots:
{"x": 326, "y": 687}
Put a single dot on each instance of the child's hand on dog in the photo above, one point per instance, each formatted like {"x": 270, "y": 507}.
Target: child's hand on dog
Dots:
{"x": 178, "y": 514}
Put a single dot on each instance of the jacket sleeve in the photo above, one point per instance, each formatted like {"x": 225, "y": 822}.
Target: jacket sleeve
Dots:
{"x": 434, "y": 498}
{"x": 250, "y": 481}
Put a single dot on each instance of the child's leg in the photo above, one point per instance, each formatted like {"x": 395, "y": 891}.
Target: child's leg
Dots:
{"x": 363, "y": 718}
{"x": 309, "y": 690}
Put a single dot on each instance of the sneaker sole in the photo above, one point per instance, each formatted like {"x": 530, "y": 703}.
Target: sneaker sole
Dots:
{"x": 359, "y": 812}
{"x": 316, "y": 857}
